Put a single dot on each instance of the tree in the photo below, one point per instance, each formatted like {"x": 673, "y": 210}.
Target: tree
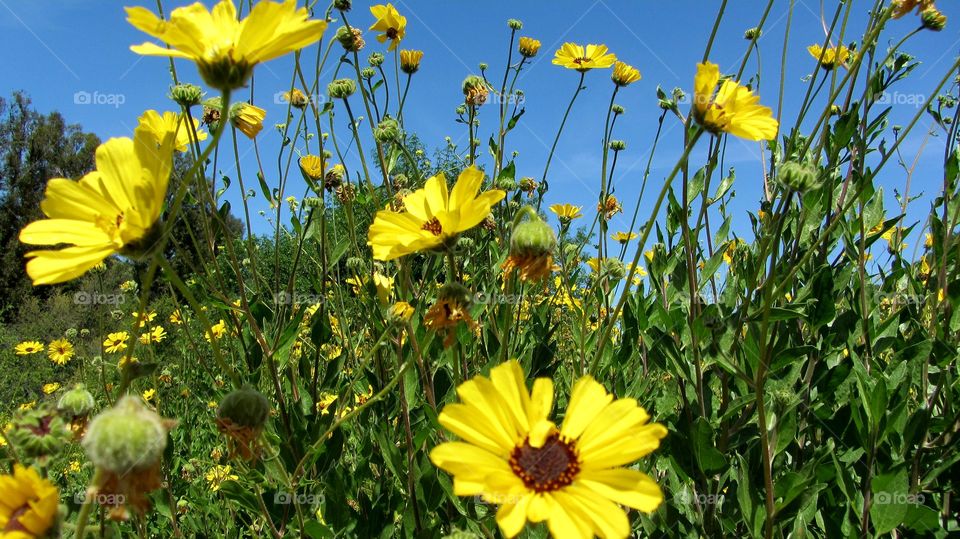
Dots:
{"x": 33, "y": 149}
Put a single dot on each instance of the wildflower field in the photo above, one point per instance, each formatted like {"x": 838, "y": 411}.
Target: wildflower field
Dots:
{"x": 298, "y": 298}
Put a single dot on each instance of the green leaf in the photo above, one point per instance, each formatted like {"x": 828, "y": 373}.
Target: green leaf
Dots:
{"x": 889, "y": 504}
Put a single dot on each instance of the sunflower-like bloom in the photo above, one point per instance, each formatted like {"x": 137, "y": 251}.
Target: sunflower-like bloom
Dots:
{"x": 432, "y": 216}
{"x": 529, "y": 47}
{"x": 624, "y": 74}
{"x": 623, "y": 237}
{"x": 116, "y": 342}
{"x": 410, "y": 61}
{"x": 513, "y": 455}
{"x": 831, "y": 57}
{"x": 390, "y": 22}
{"x": 247, "y": 118}
{"x": 28, "y": 506}
{"x": 573, "y": 56}
{"x": 566, "y": 212}
{"x": 110, "y": 210}
{"x": 732, "y": 109}
{"x": 27, "y": 348}
{"x": 158, "y": 126}
{"x": 60, "y": 351}
{"x": 225, "y": 49}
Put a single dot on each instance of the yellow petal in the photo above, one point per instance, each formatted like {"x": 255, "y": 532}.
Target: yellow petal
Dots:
{"x": 512, "y": 517}
{"x": 586, "y": 400}
{"x": 51, "y": 267}
{"x": 628, "y": 487}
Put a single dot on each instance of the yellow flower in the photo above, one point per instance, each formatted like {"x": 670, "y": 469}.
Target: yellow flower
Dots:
{"x": 410, "y": 61}
{"x": 324, "y": 402}
{"x": 143, "y": 318}
{"x": 115, "y": 342}
{"x": 390, "y": 22}
{"x": 831, "y": 57}
{"x": 28, "y": 406}
{"x": 733, "y": 109}
{"x": 60, "y": 351}
{"x": 624, "y": 74}
{"x": 432, "y": 216}
{"x": 296, "y": 98}
{"x": 50, "y": 388}
{"x": 247, "y": 118}
{"x": 401, "y": 310}
{"x": 623, "y": 237}
{"x": 28, "y": 505}
{"x": 566, "y": 212}
{"x": 312, "y": 166}
{"x": 529, "y": 47}
{"x": 127, "y": 286}
{"x": 157, "y": 334}
{"x": 171, "y": 122}
{"x": 218, "y": 475}
{"x": 74, "y": 466}
{"x": 384, "y": 286}
{"x": 110, "y": 210}
{"x": 573, "y": 477}
{"x": 149, "y": 394}
{"x": 217, "y": 331}
{"x": 28, "y": 347}
{"x": 176, "y": 317}
{"x": 902, "y": 7}
{"x": 928, "y": 241}
{"x": 573, "y": 56}
{"x": 225, "y": 49}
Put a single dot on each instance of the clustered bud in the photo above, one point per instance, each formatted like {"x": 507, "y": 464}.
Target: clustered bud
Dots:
{"x": 186, "y": 95}
{"x": 350, "y": 38}
{"x": 375, "y": 59}
{"x": 514, "y": 24}
{"x": 388, "y": 130}
{"x": 801, "y": 177}
{"x": 341, "y": 88}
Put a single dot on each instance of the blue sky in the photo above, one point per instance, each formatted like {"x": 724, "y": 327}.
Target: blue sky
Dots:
{"x": 55, "y": 49}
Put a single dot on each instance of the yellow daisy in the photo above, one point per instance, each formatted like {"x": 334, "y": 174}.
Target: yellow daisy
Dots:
{"x": 176, "y": 317}
{"x": 732, "y": 109}
{"x": 247, "y": 118}
{"x": 573, "y": 56}
{"x": 110, "y": 210}
{"x": 51, "y": 388}
{"x": 831, "y": 57}
{"x": 529, "y": 47}
{"x": 116, "y": 342}
{"x": 60, "y": 351}
{"x": 28, "y": 506}
{"x": 28, "y": 347}
{"x": 624, "y": 74}
{"x": 171, "y": 122}
{"x": 432, "y": 216}
{"x": 566, "y": 212}
{"x": 572, "y": 477}
{"x": 623, "y": 237}
{"x": 217, "y": 331}
{"x": 390, "y": 22}
{"x": 218, "y": 475}
{"x": 410, "y": 61}
{"x": 225, "y": 49}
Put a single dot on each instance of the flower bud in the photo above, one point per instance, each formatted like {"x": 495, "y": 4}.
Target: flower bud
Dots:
{"x": 296, "y": 98}
{"x": 342, "y": 5}
{"x": 618, "y": 145}
{"x": 39, "y": 433}
{"x": 531, "y": 248}
{"x": 617, "y": 109}
{"x": 350, "y": 38}
{"x": 334, "y": 177}
{"x": 752, "y": 34}
{"x": 388, "y": 130}
{"x": 71, "y": 333}
{"x": 507, "y": 183}
{"x": 76, "y": 402}
{"x": 529, "y": 47}
{"x": 341, "y": 88}
{"x": 356, "y": 265}
{"x": 801, "y": 177}
{"x": 483, "y": 66}
{"x": 400, "y": 181}
{"x": 410, "y": 61}
{"x": 514, "y": 24}
{"x": 367, "y": 73}
{"x": 475, "y": 90}
{"x": 186, "y": 95}
{"x": 245, "y": 407}
{"x": 933, "y": 19}
{"x": 400, "y": 311}
{"x": 127, "y": 437}
{"x": 311, "y": 166}
{"x": 375, "y": 59}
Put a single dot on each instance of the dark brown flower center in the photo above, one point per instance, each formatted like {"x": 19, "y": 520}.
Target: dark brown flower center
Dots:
{"x": 433, "y": 226}
{"x": 392, "y": 33}
{"x": 547, "y": 468}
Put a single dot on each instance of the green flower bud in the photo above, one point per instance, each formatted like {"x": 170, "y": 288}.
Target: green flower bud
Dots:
{"x": 77, "y": 402}
{"x": 483, "y": 66}
{"x": 507, "y": 183}
{"x": 933, "y": 19}
{"x": 71, "y": 333}
{"x": 341, "y": 88}
{"x": 514, "y": 24}
{"x": 800, "y": 177}
{"x": 356, "y": 265}
{"x": 618, "y": 145}
{"x": 400, "y": 181}
{"x": 186, "y": 95}
{"x": 617, "y": 109}
{"x": 532, "y": 237}
{"x": 342, "y": 5}
{"x": 455, "y": 293}
{"x": 245, "y": 407}
{"x": 461, "y": 110}
{"x": 475, "y": 90}
{"x": 570, "y": 251}
{"x": 39, "y": 433}
{"x": 614, "y": 268}
{"x": 464, "y": 243}
{"x": 367, "y": 73}
{"x": 375, "y": 59}
{"x": 313, "y": 202}
{"x": 127, "y": 437}
{"x": 388, "y": 130}
{"x": 752, "y": 34}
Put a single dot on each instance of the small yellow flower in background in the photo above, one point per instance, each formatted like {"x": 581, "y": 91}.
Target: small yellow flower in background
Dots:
{"x": 410, "y": 61}
{"x": 623, "y": 237}
{"x": 176, "y": 317}
{"x": 128, "y": 286}
{"x": 247, "y": 118}
{"x": 928, "y": 241}
{"x": 157, "y": 334}
{"x": 891, "y": 236}
{"x": 149, "y": 395}
{"x": 384, "y": 286}
{"x": 74, "y": 466}
{"x": 217, "y": 331}
{"x": 624, "y": 74}
{"x": 225, "y": 49}
{"x": 529, "y": 47}
{"x": 29, "y": 504}
{"x": 212, "y": 405}
{"x": 649, "y": 255}
{"x": 609, "y": 207}
{"x": 144, "y": 318}
{"x": 566, "y": 212}
{"x": 28, "y": 347}
{"x": 296, "y": 98}
{"x": 832, "y": 57}
{"x": 432, "y": 217}
{"x": 116, "y": 342}
{"x": 731, "y": 109}
{"x": 595, "y": 264}
{"x": 731, "y": 249}
{"x": 941, "y": 296}
{"x": 572, "y": 477}
{"x": 60, "y": 351}
{"x": 390, "y": 22}
{"x": 171, "y": 122}
{"x": 573, "y": 56}
{"x": 125, "y": 361}
{"x": 51, "y": 388}
{"x": 110, "y": 210}
{"x": 292, "y": 202}
{"x": 357, "y": 283}
{"x": 902, "y": 7}
{"x": 218, "y": 475}
{"x": 401, "y": 311}
{"x": 324, "y": 402}
{"x": 28, "y": 406}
